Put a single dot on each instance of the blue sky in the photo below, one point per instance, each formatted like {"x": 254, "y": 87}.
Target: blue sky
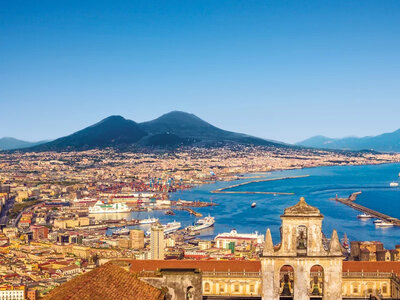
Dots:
{"x": 284, "y": 70}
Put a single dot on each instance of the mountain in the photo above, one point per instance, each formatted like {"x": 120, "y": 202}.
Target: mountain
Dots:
{"x": 9, "y": 143}
{"x": 387, "y": 142}
{"x": 114, "y": 131}
{"x": 171, "y": 130}
{"x": 185, "y": 128}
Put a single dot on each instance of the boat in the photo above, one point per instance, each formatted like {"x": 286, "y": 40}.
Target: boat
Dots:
{"x": 148, "y": 221}
{"x": 171, "y": 227}
{"x": 170, "y": 213}
{"x": 202, "y": 224}
{"x": 383, "y": 224}
{"x": 101, "y": 208}
{"x": 253, "y": 205}
{"x": 121, "y": 231}
{"x": 394, "y": 184}
{"x": 364, "y": 216}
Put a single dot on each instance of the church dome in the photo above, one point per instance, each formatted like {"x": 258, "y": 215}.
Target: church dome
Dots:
{"x": 302, "y": 209}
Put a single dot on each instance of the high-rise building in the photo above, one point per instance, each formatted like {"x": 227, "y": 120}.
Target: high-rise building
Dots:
{"x": 137, "y": 239}
{"x": 157, "y": 242}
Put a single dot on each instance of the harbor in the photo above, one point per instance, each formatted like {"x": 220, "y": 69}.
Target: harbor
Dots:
{"x": 367, "y": 211}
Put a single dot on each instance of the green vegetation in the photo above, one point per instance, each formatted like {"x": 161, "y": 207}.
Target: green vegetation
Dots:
{"x": 18, "y": 207}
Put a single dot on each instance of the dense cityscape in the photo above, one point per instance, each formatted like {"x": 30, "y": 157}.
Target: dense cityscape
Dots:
{"x": 51, "y": 231}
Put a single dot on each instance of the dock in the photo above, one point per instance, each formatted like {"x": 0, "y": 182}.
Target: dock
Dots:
{"x": 350, "y": 202}
{"x": 224, "y": 190}
{"x": 191, "y": 211}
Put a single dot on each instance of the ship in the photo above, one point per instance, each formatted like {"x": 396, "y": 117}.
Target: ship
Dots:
{"x": 101, "y": 208}
{"x": 148, "y": 221}
{"x": 121, "y": 231}
{"x": 253, "y": 205}
{"x": 171, "y": 227}
{"x": 383, "y": 224}
{"x": 202, "y": 224}
{"x": 364, "y": 216}
{"x": 394, "y": 184}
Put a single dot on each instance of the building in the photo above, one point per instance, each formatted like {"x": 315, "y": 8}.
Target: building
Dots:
{"x": 106, "y": 282}
{"x": 157, "y": 243}
{"x": 137, "y": 239}
{"x": 14, "y": 292}
{"x": 302, "y": 266}
{"x": 225, "y": 240}
{"x": 39, "y": 232}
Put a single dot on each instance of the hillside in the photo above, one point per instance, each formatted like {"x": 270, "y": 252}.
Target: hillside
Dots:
{"x": 387, "y": 142}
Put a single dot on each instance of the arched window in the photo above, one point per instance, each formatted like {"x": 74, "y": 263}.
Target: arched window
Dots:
{"x": 286, "y": 282}
{"x": 189, "y": 293}
{"x": 207, "y": 287}
{"x": 316, "y": 282}
{"x": 301, "y": 240}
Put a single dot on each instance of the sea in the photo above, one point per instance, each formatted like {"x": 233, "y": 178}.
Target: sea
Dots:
{"x": 234, "y": 211}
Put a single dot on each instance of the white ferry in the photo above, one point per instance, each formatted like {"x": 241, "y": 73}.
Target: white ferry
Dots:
{"x": 121, "y": 231}
{"x": 383, "y": 224}
{"x": 171, "y": 227}
{"x": 101, "y": 208}
{"x": 364, "y": 216}
{"x": 202, "y": 224}
{"x": 394, "y": 184}
{"x": 148, "y": 221}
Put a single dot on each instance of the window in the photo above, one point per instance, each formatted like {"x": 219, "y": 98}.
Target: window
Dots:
{"x": 369, "y": 290}
{"x": 207, "y": 287}
{"x": 221, "y": 289}
{"x": 384, "y": 289}
{"x": 355, "y": 290}
{"x": 252, "y": 288}
{"x": 236, "y": 288}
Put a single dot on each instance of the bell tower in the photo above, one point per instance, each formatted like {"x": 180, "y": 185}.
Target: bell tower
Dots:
{"x": 301, "y": 267}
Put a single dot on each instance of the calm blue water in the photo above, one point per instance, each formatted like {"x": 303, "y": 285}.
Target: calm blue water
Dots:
{"x": 234, "y": 211}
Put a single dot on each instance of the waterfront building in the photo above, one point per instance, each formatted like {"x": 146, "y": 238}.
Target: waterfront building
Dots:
{"x": 157, "y": 242}
{"x": 225, "y": 240}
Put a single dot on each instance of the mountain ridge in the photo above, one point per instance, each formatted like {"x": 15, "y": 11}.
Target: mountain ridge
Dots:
{"x": 171, "y": 130}
{"x": 385, "y": 142}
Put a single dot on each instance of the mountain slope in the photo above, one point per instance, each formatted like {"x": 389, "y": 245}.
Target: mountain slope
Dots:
{"x": 9, "y": 143}
{"x": 187, "y": 129}
{"x": 114, "y": 131}
{"x": 387, "y": 142}
{"x": 171, "y": 130}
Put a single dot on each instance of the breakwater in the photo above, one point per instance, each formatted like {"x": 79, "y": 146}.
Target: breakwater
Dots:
{"x": 225, "y": 190}
{"x": 376, "y": 214}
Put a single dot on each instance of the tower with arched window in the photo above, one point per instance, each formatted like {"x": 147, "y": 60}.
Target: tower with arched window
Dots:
{"x": 302, "y": 267}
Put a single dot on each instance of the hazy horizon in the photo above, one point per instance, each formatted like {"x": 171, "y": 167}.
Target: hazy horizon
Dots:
{"x": 284, "y": 71}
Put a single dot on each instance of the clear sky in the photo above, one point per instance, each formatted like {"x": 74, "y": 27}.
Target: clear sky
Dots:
{"x": 284, "y": 70}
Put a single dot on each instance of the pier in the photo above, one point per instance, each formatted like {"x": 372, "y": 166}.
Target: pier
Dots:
{"x": 224, "y": 190}
{"x": 191, "y": 211}
{"x": 350, "y": 202}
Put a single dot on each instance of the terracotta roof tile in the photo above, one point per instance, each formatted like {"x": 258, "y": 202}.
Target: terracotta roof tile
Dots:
{"x": 106, "y": 282}
{"x": 372, "y": 266}
{"x": 202, "y": 265}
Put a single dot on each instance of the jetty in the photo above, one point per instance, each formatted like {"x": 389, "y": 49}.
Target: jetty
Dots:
{"x": 191, "y": 211}
{"x": 224, "y": 190}
{"x": 376, "y": 214}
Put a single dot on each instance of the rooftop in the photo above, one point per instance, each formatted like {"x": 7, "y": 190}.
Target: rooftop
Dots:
{"x": 302, "y": 209}
{"x": 106, "y": 282}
